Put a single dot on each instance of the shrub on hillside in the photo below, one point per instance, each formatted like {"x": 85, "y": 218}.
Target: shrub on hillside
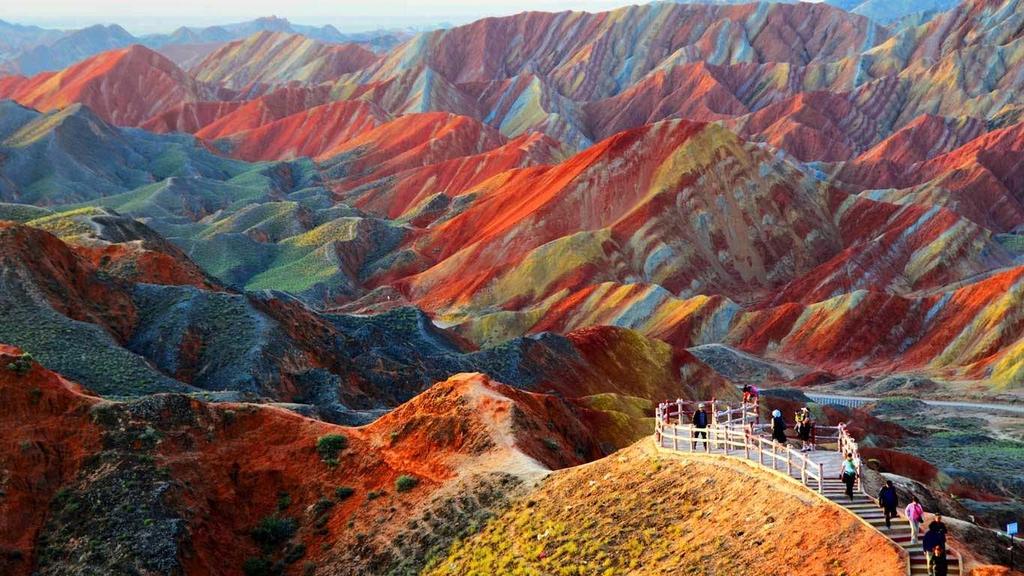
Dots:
{"x": 257, "y": 567}
{"x": 405, "y": 482}
{"x": 294, "y": 553}
{"x": 273, "y": 531}
{"x": 322, "y": 506}
{"x": 330, "y": 446}
{"x": 21, "y": 365}
{"x": 343, "y": 492}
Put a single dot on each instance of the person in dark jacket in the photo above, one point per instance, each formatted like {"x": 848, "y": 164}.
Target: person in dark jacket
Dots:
{"x": 933, "y": 539}
{"x": 778, "y": 427}
{"x": 700, "y": 422}
{"x": 938, "y": 525}
{"x": 938, "y": 564}
{"x": 805, "y": 429}
{"x": 889, "y": 501}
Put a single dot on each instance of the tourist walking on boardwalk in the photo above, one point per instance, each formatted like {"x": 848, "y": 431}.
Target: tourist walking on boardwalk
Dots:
{"x": 700, "y": 422}
{"x": 848, "y": 474}
{"x": 915, "y": 515}
{"x": 889, "y": 501}
{"x": 939, "y": 525}
{"x": 934, "y": 538}
{"x": 938, "y": 564}
{"x": 778, "y": 427}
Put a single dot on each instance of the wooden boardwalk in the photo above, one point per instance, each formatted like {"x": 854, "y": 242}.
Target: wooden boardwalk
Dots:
{"x": 817, "y": 470}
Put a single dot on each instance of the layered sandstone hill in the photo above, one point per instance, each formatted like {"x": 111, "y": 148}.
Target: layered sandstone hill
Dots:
{"x": 214, "y": 488}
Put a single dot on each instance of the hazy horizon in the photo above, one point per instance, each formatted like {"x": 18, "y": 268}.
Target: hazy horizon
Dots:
{"x": 345, "y": 16}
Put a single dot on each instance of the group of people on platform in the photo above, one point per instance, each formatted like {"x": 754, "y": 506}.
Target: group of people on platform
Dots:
{"x": 934, "y": 540}
{"x": 804, "y": 425}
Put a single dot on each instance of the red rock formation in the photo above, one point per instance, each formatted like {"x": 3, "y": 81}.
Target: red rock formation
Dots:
{"x": 68, "y": 282}
{"x": 518, "y": 211}
{"x": 272, "y": 58}
{"x": 402, "y": 193}
{"x": 813, "y": 126}
{"x": 310, "y": 132}
{"x": 124, "y": 87}
{"x": 979, "y": 180}
{"x": 691, "y": 91}
{"x": 264, "y": 109}
{"x": 963, "y": 332}
{"x": 190, "y": 117}
{"x": 410, "y": 141}
{"x": 134, "y": 263}
{"x": 45, "y": 433}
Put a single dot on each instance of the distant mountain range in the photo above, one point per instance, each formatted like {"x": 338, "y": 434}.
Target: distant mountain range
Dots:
{"x": 29, "y": 49}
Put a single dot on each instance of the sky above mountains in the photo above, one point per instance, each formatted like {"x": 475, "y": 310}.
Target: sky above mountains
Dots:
{"x": 346, "y": 15}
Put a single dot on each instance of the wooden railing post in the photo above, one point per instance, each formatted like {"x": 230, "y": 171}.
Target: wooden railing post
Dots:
{"x": 789, "y": 463}
{"x": 679, "y": 408}
{"x": 803, "y": 471}
{"x": 821, "y": 476}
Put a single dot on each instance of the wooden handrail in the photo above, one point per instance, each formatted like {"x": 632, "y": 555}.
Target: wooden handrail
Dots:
{"x": 731, "y": 414}
{"x": 726, "y": 437}
{"x": 736, "y": 428}
{"x": 740, "y": 434}
{"x": 741, "y": 439}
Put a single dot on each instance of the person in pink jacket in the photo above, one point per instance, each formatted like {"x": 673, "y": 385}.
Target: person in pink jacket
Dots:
{"x": 915, "y": 515}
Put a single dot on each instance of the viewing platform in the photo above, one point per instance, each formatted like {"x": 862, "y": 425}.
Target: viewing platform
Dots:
{"x": 737, "y": 432}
